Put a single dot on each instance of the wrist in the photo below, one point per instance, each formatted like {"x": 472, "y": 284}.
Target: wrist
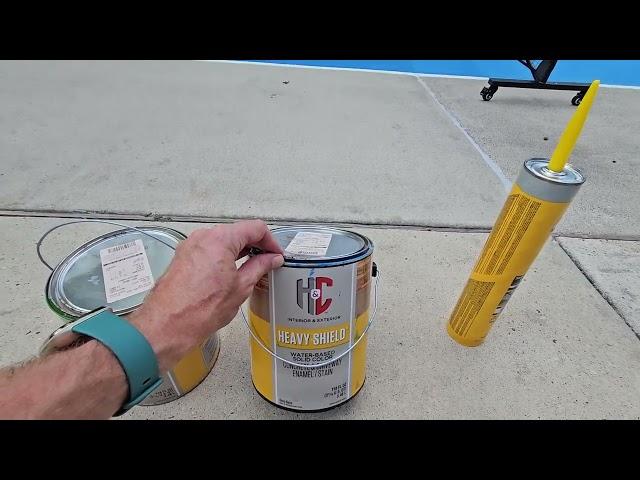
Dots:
{"x": 169, "y": 347}
{"x": 109, "y": 377}
{"x": 103, "y": 360}
{"x": 129, "y": 346}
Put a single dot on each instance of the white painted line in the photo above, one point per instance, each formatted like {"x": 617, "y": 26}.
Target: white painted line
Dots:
{"x": 442, "y": 75}
{"x": 347, "y": 69}
{"x": 310, "y": 67}
{"x": 391, "y": 72}
{"x": 506, "y": 183}
{"x": 629, "y": 87}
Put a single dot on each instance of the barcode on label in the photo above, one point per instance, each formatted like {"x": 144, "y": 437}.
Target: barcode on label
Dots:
{"x": 209, "y": 350}
{"x": 125, "y": 270}
{"x": 124, "y": 246}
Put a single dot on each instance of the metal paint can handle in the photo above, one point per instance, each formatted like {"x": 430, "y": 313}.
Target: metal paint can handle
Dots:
{"x": 376, "y": 273}
{"x": 87, "y": 220}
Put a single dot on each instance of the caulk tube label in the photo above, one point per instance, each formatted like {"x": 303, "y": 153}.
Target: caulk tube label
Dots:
{"x": 531, "y": 211}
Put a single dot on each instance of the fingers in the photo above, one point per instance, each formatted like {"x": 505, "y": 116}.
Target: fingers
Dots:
{"x": 251, "y": 233}
{"x": 256, "y": 267}
{"x": 245, "y": 251}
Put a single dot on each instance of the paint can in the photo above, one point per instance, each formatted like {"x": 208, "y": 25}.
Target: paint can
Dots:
{"x": 309, "y": 319}
{"x": 536, "y": 203}
{"x": 117, "y": 270}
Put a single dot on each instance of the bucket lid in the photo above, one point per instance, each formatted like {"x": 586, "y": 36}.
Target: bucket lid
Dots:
{"x": 76, "y": 285}
{"x": 321, "y": 246}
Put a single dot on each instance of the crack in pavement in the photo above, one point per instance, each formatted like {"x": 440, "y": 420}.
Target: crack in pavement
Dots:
{"x": 179, "y": 218}
{"x": 153, "y": 217}
{"x": 602, "y": 293}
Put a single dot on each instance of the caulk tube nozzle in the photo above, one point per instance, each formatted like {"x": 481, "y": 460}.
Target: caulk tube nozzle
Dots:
{"x": 572, "y": 131}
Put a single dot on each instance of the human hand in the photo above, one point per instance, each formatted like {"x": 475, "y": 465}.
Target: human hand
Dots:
{"x": 202, "y": 289}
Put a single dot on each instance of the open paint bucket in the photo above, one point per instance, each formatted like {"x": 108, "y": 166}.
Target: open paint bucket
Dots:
{"x": 117, "y": 270}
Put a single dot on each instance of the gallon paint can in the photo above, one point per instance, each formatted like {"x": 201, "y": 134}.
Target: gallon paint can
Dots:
{"x": 117, "y": 270}
{"x": 309, "y": 319}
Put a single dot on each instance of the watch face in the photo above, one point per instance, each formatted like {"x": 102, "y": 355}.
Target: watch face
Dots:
{"x": 64, "y": 336}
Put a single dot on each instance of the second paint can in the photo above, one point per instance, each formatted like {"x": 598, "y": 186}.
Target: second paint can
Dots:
{"x": 314, "y": 311}
{"x": 117, "y": 270}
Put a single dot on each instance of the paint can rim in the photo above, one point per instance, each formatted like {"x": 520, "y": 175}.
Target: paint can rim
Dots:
{"x": 55, "y": 295}
{"x": 355, "y": 246}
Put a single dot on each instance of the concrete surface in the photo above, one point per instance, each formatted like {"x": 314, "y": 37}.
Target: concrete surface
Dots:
{"x": 512, "y": 126}
{"x": 614, "y": 268}
{"x": 223, "y": 140}
{"x": 209, "y": 140}
{"x": 544, "y": 359}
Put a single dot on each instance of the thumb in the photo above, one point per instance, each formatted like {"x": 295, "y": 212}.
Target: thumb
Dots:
{"x": 256, "y": 267}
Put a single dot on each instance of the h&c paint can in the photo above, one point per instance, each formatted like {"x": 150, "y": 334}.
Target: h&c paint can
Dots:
{"x": 536, "y": 203}
{"x": 309, "y": 319}
{"x": 117, "y": 270}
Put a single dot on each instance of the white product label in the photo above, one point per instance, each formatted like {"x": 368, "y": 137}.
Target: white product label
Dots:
{"x": 165, "y": 392}
{"x": 314, "y": 312}
{"x": 210, "y": 349}
{"x": 309, "y": 243}
{"x": 126, "y": 270}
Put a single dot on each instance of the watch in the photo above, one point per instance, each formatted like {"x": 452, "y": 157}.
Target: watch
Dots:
{"x": 129, "y": 346}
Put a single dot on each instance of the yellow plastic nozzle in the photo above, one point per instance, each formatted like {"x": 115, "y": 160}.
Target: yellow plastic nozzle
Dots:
{"x": 572, "y": 131}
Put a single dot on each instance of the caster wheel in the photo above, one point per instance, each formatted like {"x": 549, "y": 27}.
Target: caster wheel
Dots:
{"x": 576, "y": 100}
{"x": 487, "y": 93}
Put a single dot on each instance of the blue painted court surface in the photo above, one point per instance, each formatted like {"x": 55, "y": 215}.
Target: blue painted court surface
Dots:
{"x": 609, "y": 72}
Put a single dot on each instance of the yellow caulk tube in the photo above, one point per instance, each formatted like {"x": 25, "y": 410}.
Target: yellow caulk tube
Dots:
{"x": 539, "y": 197}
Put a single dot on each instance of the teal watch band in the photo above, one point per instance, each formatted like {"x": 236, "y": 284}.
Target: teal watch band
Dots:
{"x": 132, "y": 350}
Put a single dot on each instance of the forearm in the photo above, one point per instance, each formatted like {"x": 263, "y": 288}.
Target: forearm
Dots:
{"x": 199, "y": 294}
{"x": 85, "y": 381}
{"x": 81, "y": 383}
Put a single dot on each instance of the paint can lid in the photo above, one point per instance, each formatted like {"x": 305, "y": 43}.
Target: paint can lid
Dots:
{"x": 77, "y": 284}
{"x": 321, "y": 246}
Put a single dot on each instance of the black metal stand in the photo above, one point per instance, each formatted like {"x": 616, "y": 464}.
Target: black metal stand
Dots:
{"x": 540, "y": 76}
